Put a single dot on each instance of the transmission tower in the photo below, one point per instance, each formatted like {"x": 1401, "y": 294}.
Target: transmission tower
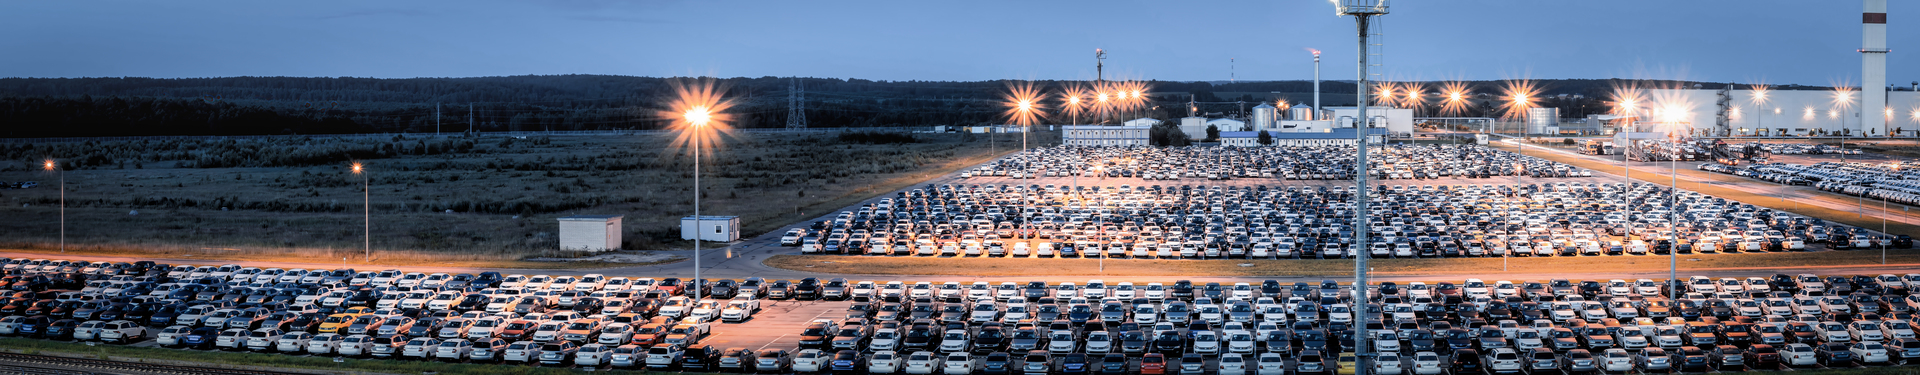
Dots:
{"x": 796, "y": 106}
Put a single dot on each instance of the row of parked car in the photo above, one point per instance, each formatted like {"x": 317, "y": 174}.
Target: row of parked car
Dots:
{"x": 1033, "y": 327}
{"x": 1332, "y": 162}
{"x": 1503, "y": 327}
{"x": 589, "y": 320}
{"x": 1210, "y": 222}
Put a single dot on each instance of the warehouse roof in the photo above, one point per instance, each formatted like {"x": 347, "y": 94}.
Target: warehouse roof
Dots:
{"x": 591, "y": 217}
{"x": 1341, "y": 133}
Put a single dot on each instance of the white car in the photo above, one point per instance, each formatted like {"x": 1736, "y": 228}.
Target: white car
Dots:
{"x": 814, "y": 360}
{"x": 884, "y": 362}
{"x": 792, "y": 237}
{"x": 293, "y": 342}
{"x": 1869, "y": 352}
{"x": 87, "y": 331}
{"x": 169, "y": 336}
{"x": 592, "y": 355}
{"x": 323, "y": 344}
{"x": 260, "y": 340}
{"x": 1233, "y": 364}
{"x": 1388, "y": 364}
{"x": 1271, "y": 364}
{"x": 739, "y": 310}
{"x": 1427, "y": 363}
{"x": 958, "y": 363}
{"x": 1799, "y": 355}
{"x": 354, "y": 345}
{"x": 121, "y": 331}
{"x": 918, "y": 363}
{"x": 1616, "y": 360}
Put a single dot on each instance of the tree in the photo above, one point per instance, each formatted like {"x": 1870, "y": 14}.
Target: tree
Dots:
{"x": 1213, "y": 133}
{"x": 1265, "y": 138}
{"x": 1166, "y": 135}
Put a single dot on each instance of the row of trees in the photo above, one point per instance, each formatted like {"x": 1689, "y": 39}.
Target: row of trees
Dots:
{"x": 54, "y": 107}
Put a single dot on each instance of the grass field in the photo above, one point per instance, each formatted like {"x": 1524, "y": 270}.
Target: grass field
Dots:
{"x": 1240, "y": 267}
{"x": 477, "y": 199}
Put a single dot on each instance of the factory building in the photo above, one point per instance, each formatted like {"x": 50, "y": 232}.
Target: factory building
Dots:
{"x": 1780, "y": 113}
{"x": 1105, "y": 135}
{"x": 1329, "y": 137}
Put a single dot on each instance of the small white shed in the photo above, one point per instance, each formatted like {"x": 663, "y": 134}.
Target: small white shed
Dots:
{"x": 591, "y": 233}
{"x": 710, "y": 228}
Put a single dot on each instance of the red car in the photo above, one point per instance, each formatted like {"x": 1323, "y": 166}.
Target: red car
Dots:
{"x": 1153, "y": 364}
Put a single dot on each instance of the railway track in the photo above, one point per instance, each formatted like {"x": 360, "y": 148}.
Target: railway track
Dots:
{"x": 13, "y": 363}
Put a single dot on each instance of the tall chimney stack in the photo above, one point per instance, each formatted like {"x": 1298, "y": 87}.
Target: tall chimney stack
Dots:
{"x": 1316, "y": 86}
{"x": 1873, "y": 66}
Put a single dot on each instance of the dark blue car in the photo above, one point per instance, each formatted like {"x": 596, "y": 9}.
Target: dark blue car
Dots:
{"x": 846, "y": 362}
{"x": 33, "y": 326}
{"x": 200, "y": 338}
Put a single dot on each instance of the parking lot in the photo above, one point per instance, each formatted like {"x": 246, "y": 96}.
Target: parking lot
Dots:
{"x": 1314, "y": 221}
{"x": 1396, "y": 161}
{"x": 879, "y": 326}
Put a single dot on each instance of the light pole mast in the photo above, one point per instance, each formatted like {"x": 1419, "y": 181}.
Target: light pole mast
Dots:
{"x": 55, "y": 167}
{"x": 366, "y": 213}
{"x": 1100, "y": 78}
{"x": 1362, "y": 11}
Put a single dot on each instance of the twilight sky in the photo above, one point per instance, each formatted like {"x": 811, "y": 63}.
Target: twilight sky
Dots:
{"x": 1772, "y": 41}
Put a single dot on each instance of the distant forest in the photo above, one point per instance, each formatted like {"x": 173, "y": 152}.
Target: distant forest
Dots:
{"x": 81, "y": 107}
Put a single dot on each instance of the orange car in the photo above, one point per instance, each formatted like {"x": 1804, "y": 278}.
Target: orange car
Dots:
{"x": 518, "y": 330}
{"x": 1153, "y": 364}
{"x": 649, "y": 334}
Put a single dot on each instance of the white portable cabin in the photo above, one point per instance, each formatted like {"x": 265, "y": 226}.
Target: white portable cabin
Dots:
{"x": 710, "y": 228}
{"x": 590, "y": 232}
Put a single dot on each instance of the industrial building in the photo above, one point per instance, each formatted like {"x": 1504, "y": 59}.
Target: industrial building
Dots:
{"x": 1329, "y": 137}
{"x": 1105, "y": 135}
{"x": 1795, "y": 113}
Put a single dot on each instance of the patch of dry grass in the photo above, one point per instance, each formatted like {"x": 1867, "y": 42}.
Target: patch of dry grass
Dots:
{"x": 503, "y": 195}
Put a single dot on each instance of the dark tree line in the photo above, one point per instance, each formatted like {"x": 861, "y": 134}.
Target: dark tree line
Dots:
{"x": 59, "y": 107}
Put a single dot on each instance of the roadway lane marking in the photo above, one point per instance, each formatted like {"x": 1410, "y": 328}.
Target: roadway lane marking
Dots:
{"x": 770, "y": 343}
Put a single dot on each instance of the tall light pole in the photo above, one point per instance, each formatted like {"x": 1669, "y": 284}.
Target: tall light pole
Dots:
{"x": 1759, "y": 114}
{"x": 55, "y": 167}
{"x": 698, "y": 116}
{"x": 1362, "y": 11}
{"x": 366, "y": 213}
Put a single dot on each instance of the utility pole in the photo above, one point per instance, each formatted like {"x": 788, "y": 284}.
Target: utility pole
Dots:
{"x": 1362, "y": 12}
{"x": 469, "y": 117}
{"x": 436, "y": 118}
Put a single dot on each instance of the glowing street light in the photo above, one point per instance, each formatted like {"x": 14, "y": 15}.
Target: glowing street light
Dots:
{"x": 1759, "y": 100}
{"x": 366, "y": 212}
{"x": 55, "y": 167}
{"x": 698, "y": 108}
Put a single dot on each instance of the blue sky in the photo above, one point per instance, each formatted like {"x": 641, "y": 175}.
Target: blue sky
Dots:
{"x": 1773, "y": 41}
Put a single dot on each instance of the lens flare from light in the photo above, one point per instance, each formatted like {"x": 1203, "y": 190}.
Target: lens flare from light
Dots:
{"x": 1521, "y": 95}
{"x": 1021, "y": 102}
{"x": 697, "y": 103}
{"x": 1457, "y": 95}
